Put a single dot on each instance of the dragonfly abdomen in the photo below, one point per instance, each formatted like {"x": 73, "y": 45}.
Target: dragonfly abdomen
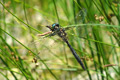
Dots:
{"x": 75, "y": 55}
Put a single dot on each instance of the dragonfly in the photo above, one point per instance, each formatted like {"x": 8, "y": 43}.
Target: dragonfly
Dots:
{"x": 56, "y": 29}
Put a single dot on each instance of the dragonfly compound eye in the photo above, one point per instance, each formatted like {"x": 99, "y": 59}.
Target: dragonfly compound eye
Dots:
{"x": 55, "y": 24}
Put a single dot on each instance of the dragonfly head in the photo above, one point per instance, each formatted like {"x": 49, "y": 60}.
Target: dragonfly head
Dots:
{"x": 53, "y": 27}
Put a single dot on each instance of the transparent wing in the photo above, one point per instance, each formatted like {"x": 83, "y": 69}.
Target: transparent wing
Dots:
{"x": 80, "y": 18}
{"x": 81, "y": 15}
{"x": 76, "y": 28}
{"x": 50, "y": 49}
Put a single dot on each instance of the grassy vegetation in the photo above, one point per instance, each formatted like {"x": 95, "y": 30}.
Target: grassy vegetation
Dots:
{"x": 94, "y": 34}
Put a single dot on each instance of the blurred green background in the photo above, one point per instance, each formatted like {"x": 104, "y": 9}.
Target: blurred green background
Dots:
{"x": 93, "y": 32}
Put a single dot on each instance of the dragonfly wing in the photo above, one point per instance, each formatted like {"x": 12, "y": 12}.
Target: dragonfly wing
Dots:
{"x": 81, "y": 15}
{"x": 48, "y": 47}
{"x": 68, "y": 28}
